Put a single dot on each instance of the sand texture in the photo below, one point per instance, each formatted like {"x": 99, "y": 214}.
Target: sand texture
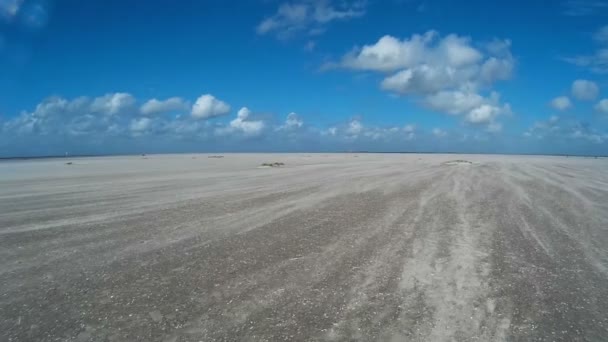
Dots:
{"x": 326, "y": 247}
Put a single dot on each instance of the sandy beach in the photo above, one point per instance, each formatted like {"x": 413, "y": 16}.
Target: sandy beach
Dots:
{"x": 327, "y": 247}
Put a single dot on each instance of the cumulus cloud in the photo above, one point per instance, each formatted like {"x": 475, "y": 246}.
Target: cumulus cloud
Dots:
{"x": 561, "y": 103}
{"x": 155, "y": 106}
{"x": 59, "y": 116}
{"x": 449, "y": 74}
{"x": 140, "y": 125}
{"x": 292, "y": 122}
{"x": 309, "y": 16}
{"x": 423, "y": 79}
{"x": 454, "y": 102}
{"x": 556, "y": 128}
{"x": 602, "y": 106}
{"x": 380, "y": 133}
{"x": 585, "y": 90}
{"x": 475, "y": 108}
{"x": 108, "y": 116}
{"x": 207, "y": 106}
{"x": 389, "y": 53}
{"x": 77, "y": 124}
{"x": 354, "y": 128}
{"x": 355, "y": 131}
{"x": 243, "y": 124}
{"x": 483, "y": 114}
{"x": 113, "y": 104}
{"x": 453, "y": 57}
{"x": 496, "y": 69}
{"x": 92, "y": 125}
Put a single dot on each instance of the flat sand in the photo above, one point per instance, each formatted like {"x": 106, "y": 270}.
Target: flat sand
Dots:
{"x": 330, "y": 247}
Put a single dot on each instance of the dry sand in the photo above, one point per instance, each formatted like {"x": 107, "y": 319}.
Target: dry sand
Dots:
{"x": 327, "y": 247}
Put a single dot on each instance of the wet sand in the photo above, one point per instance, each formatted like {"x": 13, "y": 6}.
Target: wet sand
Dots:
{"x": 330, "y": 247}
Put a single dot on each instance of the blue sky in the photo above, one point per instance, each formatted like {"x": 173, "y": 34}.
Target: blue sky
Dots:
{"x": 102, "y": 77}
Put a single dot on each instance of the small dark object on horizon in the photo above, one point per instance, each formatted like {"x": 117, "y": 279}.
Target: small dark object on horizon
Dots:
{"x": 68, "y": 163}
{"x": 275, "y": 164}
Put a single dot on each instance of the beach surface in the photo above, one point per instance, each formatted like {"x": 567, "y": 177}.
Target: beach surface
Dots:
{"x": 327, "y": 247}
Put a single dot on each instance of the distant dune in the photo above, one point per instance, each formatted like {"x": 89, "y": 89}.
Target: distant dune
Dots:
{"x": 390, "y": 247}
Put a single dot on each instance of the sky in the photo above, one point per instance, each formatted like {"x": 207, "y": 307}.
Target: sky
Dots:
{"x": 128, "y": 76}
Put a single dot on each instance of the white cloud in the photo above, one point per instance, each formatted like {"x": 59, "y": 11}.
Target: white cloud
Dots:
{"x": 380, "y": 133}
{"x": 602, "y": 106}
{"x": 454, "y": 102}
{"x": 140, "y": 125}
{"x": 450, "y": 54}
{"x": 585, "y": 90}
{"x": 243, "y": 124}
{"x": 355, "y": 131}
{"x": 207, "y": 106}
{"x": 354, "y": 128}
{"x": 287, "y": 17}
{"x": 82, "y": 125}
{"x": 82, "y": 115}
{"x": 389, "y": 53}
{"x": 154, "y": 106}
{"x": 477, "y": 109}
{"x": 585, "y": 133}
{"x": 310, "y": 17}
{"x": 293, "y": 121}
{"x": 449, "y": 74}
{"x": 557, "y": 128}
{"x": 483, "y": 114}
{"x": 79, "y": 123}
{"x": 112, "y": 104}
{"x": 423, "y": 79}
{"x": 561, "y": 103}
{"x": 95, "y": 118}
{"x": 458, "y": 51}
{"x": 494, "y": 69}
{"x": 325, "y": 12}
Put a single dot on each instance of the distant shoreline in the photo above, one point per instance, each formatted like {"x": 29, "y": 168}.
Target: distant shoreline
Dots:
{"x": 274, "y": 152}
